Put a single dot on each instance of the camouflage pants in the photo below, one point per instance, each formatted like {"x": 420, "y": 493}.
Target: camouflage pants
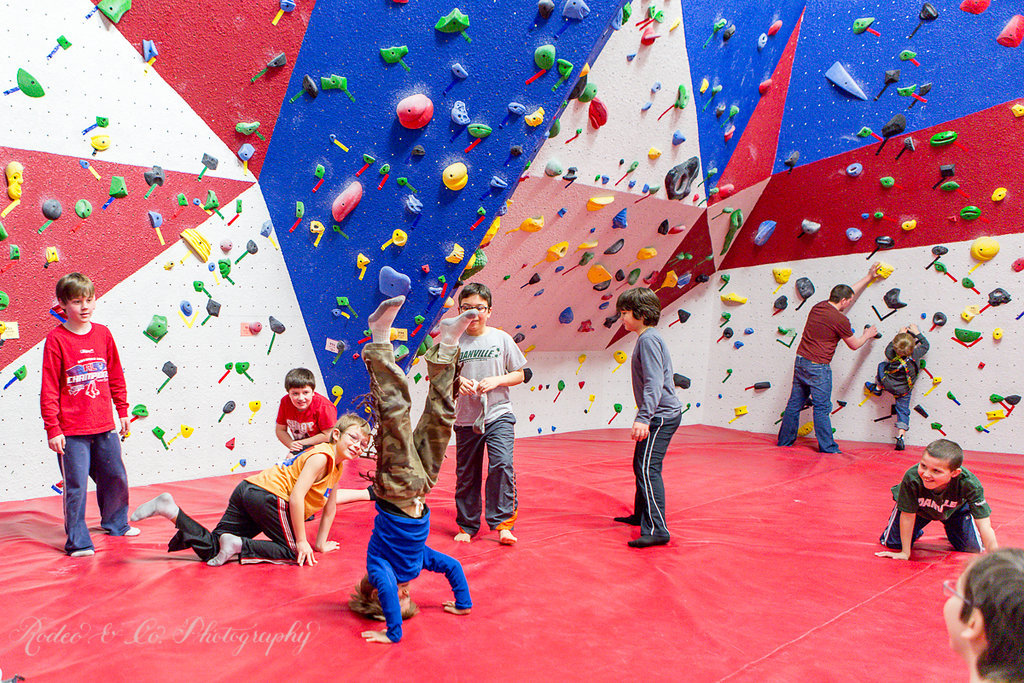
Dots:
{"x": 408, "y": 460}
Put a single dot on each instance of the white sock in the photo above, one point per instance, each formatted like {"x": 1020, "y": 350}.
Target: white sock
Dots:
{"x": 162, "y": 505}
{"x": 381, "y": 319}
{"x": 453, "y": 328}
{"x": 230, "y": 546}
{"x": 88, "y": 552}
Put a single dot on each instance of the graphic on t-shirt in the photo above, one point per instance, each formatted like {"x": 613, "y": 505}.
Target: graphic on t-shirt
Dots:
{"x": 300, "y": 430}
{"x": 479, "y": 354}
{"x": 84, "y": 377}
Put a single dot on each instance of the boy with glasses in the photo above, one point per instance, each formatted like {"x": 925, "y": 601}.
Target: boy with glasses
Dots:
{"x": 491, "y": 363}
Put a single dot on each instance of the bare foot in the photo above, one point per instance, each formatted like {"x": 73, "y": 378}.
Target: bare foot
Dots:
{"x": 462, "y": 537}
{"x": 505, "y": 537}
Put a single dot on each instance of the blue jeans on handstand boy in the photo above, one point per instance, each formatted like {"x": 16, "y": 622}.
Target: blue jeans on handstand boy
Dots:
{"x": 814, "y": 380}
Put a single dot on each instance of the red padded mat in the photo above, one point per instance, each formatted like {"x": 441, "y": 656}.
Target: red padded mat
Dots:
{"x": 770, "y": 576}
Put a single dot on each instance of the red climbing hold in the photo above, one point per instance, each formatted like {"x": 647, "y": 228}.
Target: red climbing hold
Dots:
{"x": 774, "y": 28}
{"x": 598, "y": 113}
{"x": 1013, "y": 33}
{"x": 764, "y": 86}
{"x": 975, "y": 6}
{"x": 415, "y": 111}
{"x": 1018, "y": 265}
{"x": 649, "y": 36}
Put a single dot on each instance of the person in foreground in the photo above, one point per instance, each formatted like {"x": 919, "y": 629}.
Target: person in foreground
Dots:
{"x": 940, "y": 489}
{"x": 985, "y": 616}
{"x": 276, "y": 502}
{"x": 657, "y": 417}
{"x": 408, "y": 462}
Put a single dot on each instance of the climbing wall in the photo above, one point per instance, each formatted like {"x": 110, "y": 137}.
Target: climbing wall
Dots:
{"x": 141, "y": 273}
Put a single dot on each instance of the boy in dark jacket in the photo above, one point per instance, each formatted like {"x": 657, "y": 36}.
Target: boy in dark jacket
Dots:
{"x": 898, "y": 373}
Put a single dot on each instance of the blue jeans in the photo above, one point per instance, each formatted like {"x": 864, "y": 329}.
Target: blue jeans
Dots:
{"x": 960, "y": 530}
{"x": 901, "y": 402}
{"x": 96, "y": 457}
{"x": 814, "y": 380}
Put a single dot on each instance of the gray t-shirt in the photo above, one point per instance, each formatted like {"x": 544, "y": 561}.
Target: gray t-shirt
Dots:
{"x": 653, "y": 388}
{"x": 487, "y": 355}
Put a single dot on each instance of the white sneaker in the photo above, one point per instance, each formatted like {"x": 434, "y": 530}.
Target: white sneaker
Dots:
{"x": 88, "y": 552}
{"x": 133, "y": 531}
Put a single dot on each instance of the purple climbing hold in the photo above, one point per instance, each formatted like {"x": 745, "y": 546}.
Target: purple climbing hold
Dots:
{"x": 392, "y": 283}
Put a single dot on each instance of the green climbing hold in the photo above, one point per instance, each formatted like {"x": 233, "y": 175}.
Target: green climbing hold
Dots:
{"x": 115, "y": 9}
{"x": 29, "y": 85}
{"x": 544, "y": 57}
{"x": 565, "y": 68}
{"x": 967, "y": 336}
{"x": 211, "y": 203}
{"x": 996, "y": 398}
{"x": 735, "y": 223}
{"x": 949, "y": 186}
{"x": 969, "y": 213}
{"x": 627, "y": 12}
{"x": 682, "y": 97}
{"x": 907, "y": 91}
{"x": 946, "y": 137}
{"x": 887, "y": 181}
{"x": 589, "y": 92}
{"x": 556, "y": 127}
{"x": 83, "y": 208}
{"x": 862, "y": 24}
{"x": 479, "y": 130}
{"x": 319, "y": 171}
{"x": 967, "y": 282}
{"x": 454, "y": 22}
{"x": 118, "y": 188}
{"x": 393, "y": 55}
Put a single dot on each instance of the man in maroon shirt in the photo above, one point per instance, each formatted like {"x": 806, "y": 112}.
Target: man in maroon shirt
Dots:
{"x": 81, "y": 378}
{"x": 812, "y": 375}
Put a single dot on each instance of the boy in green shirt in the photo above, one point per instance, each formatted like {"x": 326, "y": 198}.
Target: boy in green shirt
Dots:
{"x": 939, "y": 489}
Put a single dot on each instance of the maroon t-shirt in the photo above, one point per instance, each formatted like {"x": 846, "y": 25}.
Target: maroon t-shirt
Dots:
{"x": 825, "y": 327}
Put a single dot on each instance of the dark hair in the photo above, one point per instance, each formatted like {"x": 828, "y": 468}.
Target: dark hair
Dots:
{"x": 903, "y": 344}
{"x": 947, "y": 451}
{"x": 642, "y": 302}
{"x": 298, "y": 378}
{"x": 840, "y": 292}
{"x": 478, "y": 289}
{"x": 72, "y": 286}
{"x": 994, "y": 585}
{"x": 365, "y": 602}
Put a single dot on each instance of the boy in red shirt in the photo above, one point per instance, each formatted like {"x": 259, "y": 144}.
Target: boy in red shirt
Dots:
{"x": 82, "y": 375}
{"x": 305, "y": 418}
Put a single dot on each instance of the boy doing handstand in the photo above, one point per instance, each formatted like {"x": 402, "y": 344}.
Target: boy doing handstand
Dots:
{"x": 408, "y": 462}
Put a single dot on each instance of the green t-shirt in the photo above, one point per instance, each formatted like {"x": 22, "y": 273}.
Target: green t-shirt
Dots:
{"x": 911, "y": 496}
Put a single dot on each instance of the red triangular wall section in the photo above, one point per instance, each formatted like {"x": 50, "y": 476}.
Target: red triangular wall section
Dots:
{"x": 209, "y": 53}
{"x": 108, "y": 246}
{"x": 754, "y": 157}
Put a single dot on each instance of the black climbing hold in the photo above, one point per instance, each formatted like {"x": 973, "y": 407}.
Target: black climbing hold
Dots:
{"x": 680, "y": 178}
{"x": 601, "y": 286}
{"x": 781, "y": 304}
{"x": 939, "y": 319}
{"x": 663, "y": 227}
{"x": 681, "y": 381}
{"x": 611, "y": 320}
{"x": 998, "y": 297}
{"x": 616, "y": 248}
{"x": 892, "y": 299}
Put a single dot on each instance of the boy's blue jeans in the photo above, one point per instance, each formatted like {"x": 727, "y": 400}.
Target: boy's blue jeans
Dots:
{"x": 814, "y": 380}
{"x": 960, "y": 530}
{"x": 901, "y": 402}
{"x": 96, "y": 457}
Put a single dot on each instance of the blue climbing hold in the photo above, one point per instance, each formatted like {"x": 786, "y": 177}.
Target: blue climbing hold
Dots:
{"x": 186, "y": 308}
{"x": 619, "y": 221}
{"x": 566, "y": 317}
{"x": 575, "y": 9}
{"x": 392, "y": 283}
{"x": 459, "y": 71}
{"x": 764, "y": 231}
{"x": 853, "y": 234}
{"x": 841, "y": 78}
{"x": 678, "y": 138}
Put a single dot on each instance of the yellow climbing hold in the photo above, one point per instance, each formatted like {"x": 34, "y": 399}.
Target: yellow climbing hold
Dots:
{"x": 491, "y": 231}
{"x": 968, "y": 313}
{"x": 531, "y": 224}
{"x": 585, "y": 70}
{"x": 703, "y": 85}
{"x": 362, "y": 260}
{"x": 671, "y": 280}
{"x": 997, "y": 333}
{"x": 199, "y": 245}
{"x": 1018, "y": 110}
{"x": 100, "y": 142}
{"x": 456, "y": 254}
{"x": 555, "y": 252}
{"x": 598, "y": 274}
{"x": 734, "y": 298}
{"x": 598, "y": 203}
{"x": 586, "y": 245}
{"x": 781, "y": 275}
{"x": 999, "y": 194}
{"x": 805, "y": 429}
{"x": 885, "y": 270}
{"x": 536, "y": 118}
{"x": 908, "y": 225}
{"x": 455, "y": 176}
{"x": 984, "y": 248}
{"x": 653, "y": 153}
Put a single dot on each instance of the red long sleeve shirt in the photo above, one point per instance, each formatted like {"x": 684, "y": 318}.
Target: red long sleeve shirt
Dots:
{"x": 81, "y": 376}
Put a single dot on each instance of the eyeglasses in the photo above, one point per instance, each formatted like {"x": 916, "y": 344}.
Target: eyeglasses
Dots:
{"x": 480, "y": 307}
{"x": 949, "y": 588}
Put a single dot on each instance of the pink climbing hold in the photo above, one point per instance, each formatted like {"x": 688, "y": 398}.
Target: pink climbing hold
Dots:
{"x": 774, "y": 28}
{"x": 649, "y": 36}
{"x": 975, "y": 6}
{"x": 598, "y": 113}
{"x": 346, "y": 201}
{"x": 415, "y": 111}
{"x": 764, "y": 86}
{"x": 1013, "y": 33}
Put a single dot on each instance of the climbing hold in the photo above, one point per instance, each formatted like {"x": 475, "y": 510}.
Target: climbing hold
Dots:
{"x": 598, "y": 274}
{"x": 597, "y": 114}
{"x": 459, "y": 114}
{"x": 841, "y": 78}
{"x": 566, "y": 317}
{"x": 620, "y": 220}
{"x": 892, "y": 299}
{"x": 346, "y": 201}
{"x": 853, "y": 234}
{"x": 455, "y": 176}
{"x": 415, "y": 111}
{"x": 984, "y": 248}
{"x": 575, "y": 9}
{"x": 1013, "y": 33}
{"x": 764, "y": 231}
{"x": 680, "y": 177}
{"x": 533, "y": 120}
{"x": 616, "y": 247}
{"x": 114, "y": 9}
{"x": 454, "y": 22}
{"x": 598, "y": 203}
{"x": 392, "y": 283}
{"x": 553, "y": 168}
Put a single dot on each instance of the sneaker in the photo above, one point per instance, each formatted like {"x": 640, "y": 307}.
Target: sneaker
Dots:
{"x": 133, "y": 531}
{"x": 899, "y": 444}
{"x": 87, "y": 552}
{"x": 873, "y": 388}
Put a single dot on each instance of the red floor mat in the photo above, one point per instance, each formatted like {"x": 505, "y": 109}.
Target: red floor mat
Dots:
{"x": 770, "y": 576}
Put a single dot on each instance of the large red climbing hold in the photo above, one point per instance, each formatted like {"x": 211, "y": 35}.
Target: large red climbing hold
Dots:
{"x": 774, "y": 28}
{"x": 975, "y": 6}
{"x": 1013, "y": 33}
{"x": 764, "y": 86}
{"x": 598, "y": 113}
